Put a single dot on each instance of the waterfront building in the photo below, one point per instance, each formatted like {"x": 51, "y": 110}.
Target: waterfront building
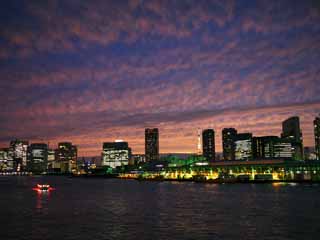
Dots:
{"x": 137, "y": 159}
{"x": 37, "y": 157}
{"x": 228, "y": 145}
{"x": 6, "y": 160}
{"x": 66, "y": 156}
{"x": 19, "y": 149}
{"x": 316, "y": 124}
{"x": 151, "y": 144}
{"x": 309, "y": 153}
{"x": 52, "y": 165}
{"x": 291, "y": 133}
{"x": 282, "y": 149}
{"x": 208, "y": 145}
{"x": 243, "y": 146}
{"x": 115, "y": 154}
{"x": 275, "y": 147}
{"x": 262, "y": 147}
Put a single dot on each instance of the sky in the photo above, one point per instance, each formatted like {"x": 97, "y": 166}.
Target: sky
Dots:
{"x": 96, "y": 71}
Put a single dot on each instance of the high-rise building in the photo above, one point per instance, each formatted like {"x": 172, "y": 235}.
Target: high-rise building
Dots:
{"x": 115, "y": 154}
{"x": 243, "y": 146}
{"x": 208, "y": 145}
{"x": 52, "y": 163}
{"x": 6, "y": 160}
{"x": 66, "y": 155}
{"x": 316, "y": 124}
{"x": 275, "y": 147}
{"x": 262, "y": 147}
{"x": 151, "y": 144}
{"x": 19, "y": 151}
{"x": 228, "y": 138}
{"x": 38, "y": 157}
{"x": 291, "y": 133}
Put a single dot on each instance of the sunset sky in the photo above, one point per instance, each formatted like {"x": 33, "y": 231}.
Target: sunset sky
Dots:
{"x": 95, "y": 71}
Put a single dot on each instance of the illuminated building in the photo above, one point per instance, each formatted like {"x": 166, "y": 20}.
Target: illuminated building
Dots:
{"x": 309, "y": 153}
{"x": 316, "y": 124}
{"x": 137, "y": 159}
{"x": 228, "y": 137}
{"x": 52, "y": 163}
{"x": 38, "y": 157}
{"x": 282, "y": 149}
{"x": 6, "y": 160}
{"x": 19, "y": 153}
{"x": 66, "y": 156}
{"x": 275, "y": 147}
{"x": 151, "y": 144}
{"x": 262, "y": 147}
{"x": 291, "y": 133}
{"x": 208, "y": 145}
{"x": 243, "y": 146}
{"x": 115, "y": 154}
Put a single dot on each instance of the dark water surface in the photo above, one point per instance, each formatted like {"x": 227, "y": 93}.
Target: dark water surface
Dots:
{"x": 127, "y": 209}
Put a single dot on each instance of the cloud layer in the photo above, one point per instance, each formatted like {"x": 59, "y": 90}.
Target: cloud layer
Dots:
{"x": 94, "y": 71}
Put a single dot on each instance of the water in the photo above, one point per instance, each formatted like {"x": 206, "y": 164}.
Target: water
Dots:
{"x": 127, "y": 209}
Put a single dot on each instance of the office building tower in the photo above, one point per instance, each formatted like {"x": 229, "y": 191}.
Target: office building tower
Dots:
{"x": 228, "y": 138}
{"x": 6, "y": 160}
{"x": 152, "y": 144}
{"x": 115, "y": 154}
{"x": 66, "y": 155}
{"x": 19, "y": 151}
{"x": 243, "y": 146}
{"x": 291, "y": 133}
{"x": 262, "y": 147}
{"x": 37, "y": 157}
{"x": 208, "y": 145}
{"x": 52, "y": 163}
{"x": 316, "y": 124}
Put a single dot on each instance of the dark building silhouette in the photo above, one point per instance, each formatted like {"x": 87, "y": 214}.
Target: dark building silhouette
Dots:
{"x": 291, "y": 133}
{"x": 208, "y": 145}
{"x": 151, "y": 144}
{"x": 262, "y": 146}
{"x": 316, "y": 124}
{"x": 37, "y": 157}
{"x": 243, "y": 146}
{"x": 115, "y": 154}
{"x": 228, "y": 137}
{"x": 66, "y": 156}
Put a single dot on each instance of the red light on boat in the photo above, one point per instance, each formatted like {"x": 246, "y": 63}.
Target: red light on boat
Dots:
{"x": 43, "y": 188}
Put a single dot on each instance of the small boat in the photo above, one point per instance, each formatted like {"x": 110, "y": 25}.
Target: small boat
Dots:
{"x": 43, "y": 188}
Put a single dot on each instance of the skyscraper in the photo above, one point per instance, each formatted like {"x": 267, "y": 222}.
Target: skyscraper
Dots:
{"x": 316, "y": 124}
{"x": 152, "y": 144}
{"x": 6, "y": 160}
{"x": 243, "y": 146}
{"x": 19, "y": 150}
{"x": 262, "y": 147}
{"x": 228, "y": 137}
{"x": 291, "y": 133}
{"x": 208, "y": 145}
{"x": 38, "y": 157}
{"x": 115, "y": 154}
{"x": 66, "y": 155}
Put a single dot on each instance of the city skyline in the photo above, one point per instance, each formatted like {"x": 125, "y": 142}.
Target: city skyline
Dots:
{"x": 91, "y": 72}
{"x": 151, "y": 140}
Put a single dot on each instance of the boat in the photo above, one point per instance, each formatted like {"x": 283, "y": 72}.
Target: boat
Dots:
{"x": 43, "y": 188}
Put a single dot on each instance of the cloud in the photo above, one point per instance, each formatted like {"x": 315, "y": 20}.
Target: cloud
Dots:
{"x": 91, "y": 71}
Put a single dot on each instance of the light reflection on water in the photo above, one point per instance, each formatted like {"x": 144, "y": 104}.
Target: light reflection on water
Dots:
{"x": 128, "y": 209}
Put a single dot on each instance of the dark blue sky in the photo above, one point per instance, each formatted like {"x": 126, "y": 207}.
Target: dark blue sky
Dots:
{"x": 94, "y": 71}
